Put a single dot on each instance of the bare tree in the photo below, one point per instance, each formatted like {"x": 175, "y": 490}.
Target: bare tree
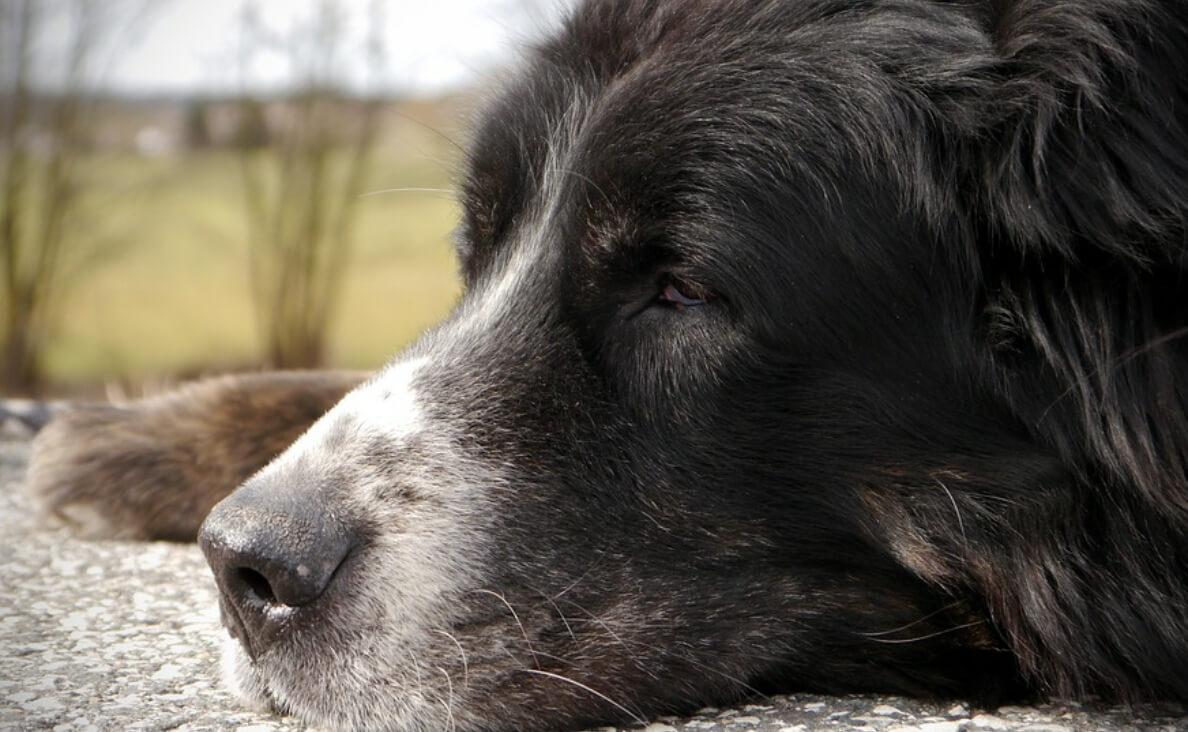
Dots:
{"x": 301, "y": 192}
{"x": 40, "y": 136}
{"x": 49, "y": 68}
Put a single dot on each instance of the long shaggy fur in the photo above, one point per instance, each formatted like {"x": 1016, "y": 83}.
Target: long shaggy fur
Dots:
{"x": 816, "y": 344}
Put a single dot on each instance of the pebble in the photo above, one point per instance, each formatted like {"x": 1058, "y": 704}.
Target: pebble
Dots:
{"x": 989, "y": 721}
{"x": 947, "y": 726}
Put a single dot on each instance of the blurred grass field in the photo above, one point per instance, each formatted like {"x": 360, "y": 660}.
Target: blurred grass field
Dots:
{"x": 168, "y": 291}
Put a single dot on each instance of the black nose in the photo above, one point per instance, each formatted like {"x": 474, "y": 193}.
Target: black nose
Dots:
{"x": 271, "y": 551}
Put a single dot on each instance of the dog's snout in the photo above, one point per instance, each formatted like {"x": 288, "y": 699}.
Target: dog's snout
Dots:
{"x": 272, "y": 560}
{"x": 269, "y": 552}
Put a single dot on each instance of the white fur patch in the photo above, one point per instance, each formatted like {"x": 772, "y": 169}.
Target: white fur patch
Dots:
{"x": 386, "y": 405}
{"x": 385, "y": 654}
{"x": 533, "y": 241}
{"x": 497, "y": 298}
{"x": 240, "y": 678}
{"x": 398, "y": 670}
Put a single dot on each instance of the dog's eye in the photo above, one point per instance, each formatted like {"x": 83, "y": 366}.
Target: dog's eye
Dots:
{"x": 684, "y": 294}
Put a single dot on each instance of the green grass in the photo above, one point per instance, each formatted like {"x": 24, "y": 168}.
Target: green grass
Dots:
{"x": 171, "y": 293}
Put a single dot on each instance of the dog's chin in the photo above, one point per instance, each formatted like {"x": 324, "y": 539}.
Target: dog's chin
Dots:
{"x": 306, "y": 691}
{"x": 244, "y": 680}
{"x": 341, "y": 691}
{"x": 291, "y": 696}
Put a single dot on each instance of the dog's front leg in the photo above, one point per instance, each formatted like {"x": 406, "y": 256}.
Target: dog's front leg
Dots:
{"x": 153, "y": 468}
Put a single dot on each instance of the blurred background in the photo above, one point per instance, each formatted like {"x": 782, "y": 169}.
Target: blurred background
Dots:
{"x": 191, "y": 187}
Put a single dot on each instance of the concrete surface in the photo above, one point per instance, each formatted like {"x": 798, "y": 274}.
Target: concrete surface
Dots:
{"x": 114, "y": 635}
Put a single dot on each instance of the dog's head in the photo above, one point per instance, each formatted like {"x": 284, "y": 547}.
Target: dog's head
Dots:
{"x": 749, "y": 387}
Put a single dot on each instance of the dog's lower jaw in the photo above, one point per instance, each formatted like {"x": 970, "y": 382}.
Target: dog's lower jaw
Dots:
{"x": 401, "y": 710}
{"x": 242, "y": 679}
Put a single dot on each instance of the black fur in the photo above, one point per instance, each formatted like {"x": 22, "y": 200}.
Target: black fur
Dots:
{"x": 946, "y": 239}
{"x": 850, "y": 354}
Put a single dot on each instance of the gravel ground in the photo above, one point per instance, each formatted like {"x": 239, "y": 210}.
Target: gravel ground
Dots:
{"x": 116, "y": 635}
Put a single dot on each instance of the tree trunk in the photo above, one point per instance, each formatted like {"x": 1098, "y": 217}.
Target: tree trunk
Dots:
{"x": 20, "y": 374}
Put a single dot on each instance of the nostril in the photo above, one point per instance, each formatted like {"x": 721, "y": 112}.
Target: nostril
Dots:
{"x": 256, "y": 584}
{"x": 270, "y": 553}
{"x": 281, "y": 562}
{"x": 261, "y": 579}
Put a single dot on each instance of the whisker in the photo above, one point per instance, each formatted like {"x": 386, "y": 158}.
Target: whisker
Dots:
{"x": 448, "y": 192}
{"x": 583, "y": 576}
{"x": 956, "y": 510}
{"x": 595, "y": 619}
{"x": 449, "y": 700}
{"x": 1106, "y": 370}
{"x": 562, "y": 660}
{"x": 515, "y": 616}
{"x": 917, "y": 621}
{"x": 929, "y": 635}
{"x": 584, "y": 178}
{"x": 564, "y": 620}
{"x": 433, "y": 130}
{"x": 461, "y": 651}
{"x": 633, "y": 715}
{"x": 668, "y": 652}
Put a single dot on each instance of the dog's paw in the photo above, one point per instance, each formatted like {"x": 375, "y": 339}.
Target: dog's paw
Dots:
{"x": 110, "y": 472}
{"x": 154, "y": 467}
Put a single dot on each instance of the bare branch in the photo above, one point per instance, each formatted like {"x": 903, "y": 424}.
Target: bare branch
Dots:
{"x": 301, "y": 194}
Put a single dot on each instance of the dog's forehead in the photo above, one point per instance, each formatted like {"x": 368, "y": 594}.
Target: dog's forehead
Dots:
{"x": 741, "y": 147}
{"x": 667, "y": 113}
{"x": 578, "y": 160}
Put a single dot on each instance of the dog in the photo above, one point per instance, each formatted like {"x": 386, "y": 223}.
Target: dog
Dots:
{"x": 831, "y": 345}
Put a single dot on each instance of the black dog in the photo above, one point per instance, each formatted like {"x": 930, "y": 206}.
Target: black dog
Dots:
{"x": 806, "y": 345}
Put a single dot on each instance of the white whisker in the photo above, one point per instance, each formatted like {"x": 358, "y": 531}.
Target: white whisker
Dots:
{"x": 915, "y": 622}
{"x": 448, "y": 702}
{"x": 447, "y": 192}
{"x": 634, "y": 716}
{"x": 960, "y": 523}
{"x": 927, "y": 636}
{"x": 461, "y": 652}
{"x": 515, "y": 616}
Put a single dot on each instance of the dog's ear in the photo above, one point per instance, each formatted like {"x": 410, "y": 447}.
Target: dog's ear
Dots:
{"x": 1070, "y": 174}
{"x": 1077, "y": 172}
{"x": 1081, "y": 136}
{"x": 1063, "y": 148}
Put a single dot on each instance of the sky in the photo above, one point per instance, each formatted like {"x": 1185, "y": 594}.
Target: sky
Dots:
{"x": 181, "y": 46}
